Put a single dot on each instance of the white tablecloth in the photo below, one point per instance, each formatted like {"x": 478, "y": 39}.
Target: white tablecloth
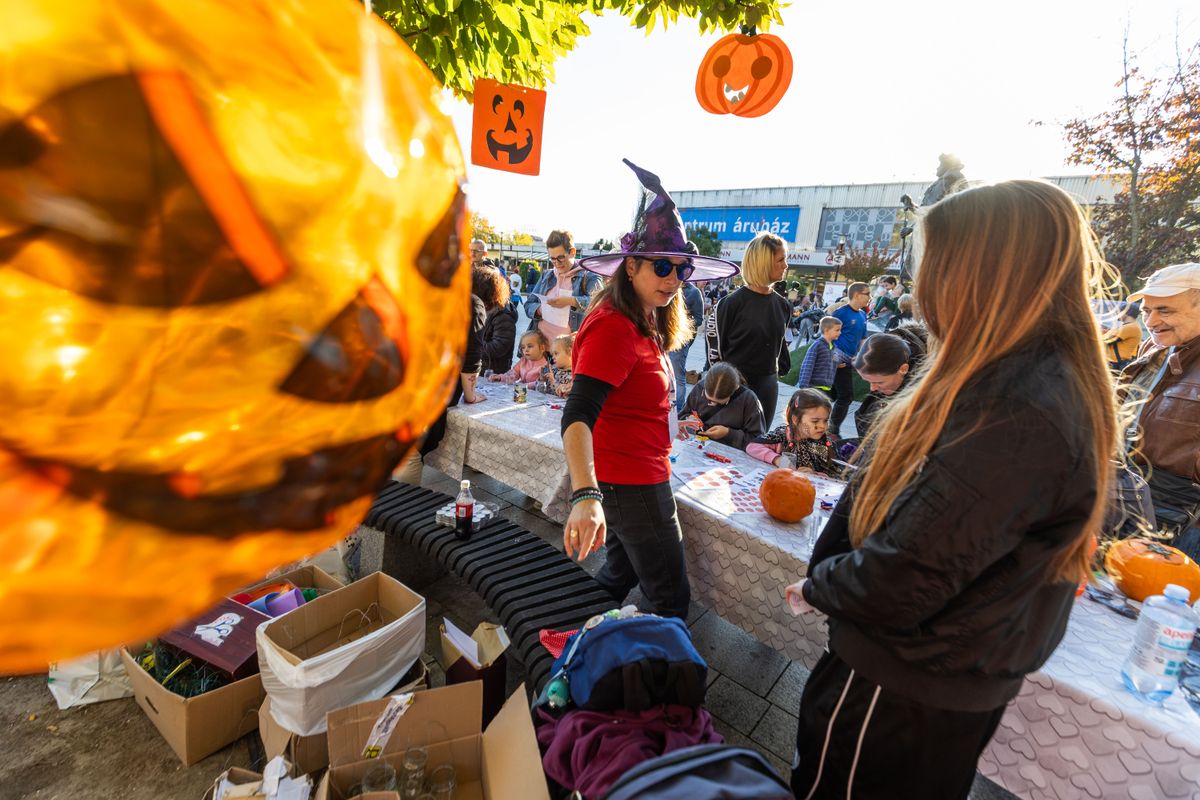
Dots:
{"x": 1074, "y": 732}
{"x": 738, "y": 564}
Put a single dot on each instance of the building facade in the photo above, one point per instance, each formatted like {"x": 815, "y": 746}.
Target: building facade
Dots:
{"x": 813, "y": 219}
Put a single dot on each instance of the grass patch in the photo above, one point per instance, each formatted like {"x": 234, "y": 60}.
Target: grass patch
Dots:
{"x": 861, "y": 387}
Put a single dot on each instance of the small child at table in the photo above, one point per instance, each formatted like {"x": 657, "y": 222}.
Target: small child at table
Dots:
{"x": 801, "y": 444}
{"x": 722, "y": 408}
{"x": 560, "y": 358}
{"x": 529, "y": 367}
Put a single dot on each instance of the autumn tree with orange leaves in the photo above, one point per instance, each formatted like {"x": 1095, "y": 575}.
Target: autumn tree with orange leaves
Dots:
{"x": 1150, "y": 141}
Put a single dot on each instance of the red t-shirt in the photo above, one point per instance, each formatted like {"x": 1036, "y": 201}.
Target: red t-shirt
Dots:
{"x": 632, "y": 437}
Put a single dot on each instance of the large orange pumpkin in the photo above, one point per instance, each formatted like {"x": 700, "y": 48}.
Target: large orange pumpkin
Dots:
{"x": 1141, "y": 568}
{"x": 232, "y": 300}
{"x": 787, "y": 495}
{"x": 744, "y": 75}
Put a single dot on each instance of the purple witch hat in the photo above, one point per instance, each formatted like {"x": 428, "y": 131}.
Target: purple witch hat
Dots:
{"x": 658, "y": 233}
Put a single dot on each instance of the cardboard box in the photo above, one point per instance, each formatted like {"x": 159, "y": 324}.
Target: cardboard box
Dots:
{"x": 196, "y": 727}
{"x": 309, "y": 577}
{"x": 490, "y": 641}
{"x": 349, "y": 646}
{"x": 500, "y": 762}
{"x": 311, "y": 753}
{"x": 235, "y": 775}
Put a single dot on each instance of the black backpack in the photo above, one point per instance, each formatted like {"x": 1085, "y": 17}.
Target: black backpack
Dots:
{"x": 704, "y": 772}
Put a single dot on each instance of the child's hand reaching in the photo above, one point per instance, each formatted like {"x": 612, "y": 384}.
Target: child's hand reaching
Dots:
{"x": 717, "y": 432}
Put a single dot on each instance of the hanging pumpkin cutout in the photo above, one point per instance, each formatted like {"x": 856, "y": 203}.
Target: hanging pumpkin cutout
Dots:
{"x": 506, "y": 127}
{"x": 744, "y": 74}
{"x": 221, "y": 332}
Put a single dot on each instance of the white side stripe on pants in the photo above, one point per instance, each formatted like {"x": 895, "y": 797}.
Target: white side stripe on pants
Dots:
{"x": 828, "y": 733}
{"x": 858, "y": 748}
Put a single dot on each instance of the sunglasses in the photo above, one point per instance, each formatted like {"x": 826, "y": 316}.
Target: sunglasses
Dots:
{"x": 663, "y": 267}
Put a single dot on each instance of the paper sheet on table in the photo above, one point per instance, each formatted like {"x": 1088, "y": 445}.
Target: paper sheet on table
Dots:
{"x": 555, "y": 316}
{"x": 465, "y": 644}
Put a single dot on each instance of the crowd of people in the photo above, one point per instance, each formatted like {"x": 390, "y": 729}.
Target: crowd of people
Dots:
{"x": 983, "y": 466}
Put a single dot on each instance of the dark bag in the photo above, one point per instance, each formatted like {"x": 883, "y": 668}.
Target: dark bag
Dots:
{"x": 704, "y": 772}
{"x": 1131, "y": 509}
{"x": 1176, "y": 501}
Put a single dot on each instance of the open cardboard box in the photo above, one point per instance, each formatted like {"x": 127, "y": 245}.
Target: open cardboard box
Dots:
{"x": 308, "y": 577}
{"x": 346, "y": 647}
{"x": 311, "y": 753}
{"x": 196, "y": 727}
{"x": 499, "y": 763}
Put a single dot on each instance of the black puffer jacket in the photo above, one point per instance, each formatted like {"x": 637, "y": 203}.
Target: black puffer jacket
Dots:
{"x": 499, "y": 338}
{"x": 950, "y": 603}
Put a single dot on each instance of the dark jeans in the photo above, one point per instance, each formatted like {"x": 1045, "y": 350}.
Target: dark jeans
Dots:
{"x": 679, "y": 364}
{"x": 858, "y": 740}
{"x": 644, "y": 547}
{"x": 843, "y": 396}
{"x": 766, "y": 389}
{"x": 437, "y": 431}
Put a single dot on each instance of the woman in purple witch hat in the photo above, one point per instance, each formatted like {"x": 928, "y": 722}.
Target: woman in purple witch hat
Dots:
{"x": 619, "y": 419}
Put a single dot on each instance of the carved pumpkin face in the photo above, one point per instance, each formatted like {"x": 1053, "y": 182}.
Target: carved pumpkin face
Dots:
{"x": 224, "y": 323}
{"x": 744, "y": 75}
{"x": 507, "y": 127}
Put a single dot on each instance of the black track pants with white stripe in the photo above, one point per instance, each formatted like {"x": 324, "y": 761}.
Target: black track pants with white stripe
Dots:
{"x": 857, "y": 741}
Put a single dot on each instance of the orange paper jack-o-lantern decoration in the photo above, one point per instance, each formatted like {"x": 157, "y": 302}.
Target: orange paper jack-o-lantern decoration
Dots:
{"x": 787, "y": 495}
{"x": 506, "y": 127}
{"x": 1141, "y": 568}
{"x": 230, "y": 305}
{"x": 744, "y": 75}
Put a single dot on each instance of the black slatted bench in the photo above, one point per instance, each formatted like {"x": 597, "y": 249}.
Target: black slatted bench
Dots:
{"x": 528, "y": 583}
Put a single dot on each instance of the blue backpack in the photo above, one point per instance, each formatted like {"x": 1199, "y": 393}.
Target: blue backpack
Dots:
{"x": 703, "y": 772}
{"x": 633, "y": 664}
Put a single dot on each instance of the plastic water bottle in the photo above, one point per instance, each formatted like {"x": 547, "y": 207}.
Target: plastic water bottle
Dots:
{"x": 464, "y": 512}
{"x": 1160, "y": 645}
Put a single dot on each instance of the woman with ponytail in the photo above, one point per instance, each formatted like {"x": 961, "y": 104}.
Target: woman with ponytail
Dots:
{"x": 949, "y": 567}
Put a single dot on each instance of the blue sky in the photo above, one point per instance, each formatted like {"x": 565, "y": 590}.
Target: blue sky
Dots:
{"x": 879, "y": 90}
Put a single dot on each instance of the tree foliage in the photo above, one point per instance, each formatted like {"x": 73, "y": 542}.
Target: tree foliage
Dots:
{"x": 603, "y": 245}
{"x": 478, "y": 227}
{"x": 866, "y": 263}
{"x": 1150, "y": 141}
{"x": 706, "y": 241}
{"x": 518, "y": 41}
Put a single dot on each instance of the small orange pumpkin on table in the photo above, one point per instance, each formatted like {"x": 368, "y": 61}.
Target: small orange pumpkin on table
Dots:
{"x": 1141, "y": 568}
{"x": 787, "y": 495}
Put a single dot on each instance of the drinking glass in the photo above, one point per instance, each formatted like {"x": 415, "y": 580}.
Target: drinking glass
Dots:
{"x": 441, "y": 783}
{"x": 412, "y": 783}
{"x": 380, "y": 778}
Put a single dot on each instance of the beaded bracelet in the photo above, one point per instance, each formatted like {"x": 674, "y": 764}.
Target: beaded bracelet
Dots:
{"x": 586, "y": 493}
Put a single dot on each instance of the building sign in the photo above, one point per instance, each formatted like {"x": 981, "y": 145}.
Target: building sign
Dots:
{"x": 806, "y": 258}
{"x": 743, "y": 224}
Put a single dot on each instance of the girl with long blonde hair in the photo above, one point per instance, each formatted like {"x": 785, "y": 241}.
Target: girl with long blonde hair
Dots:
{"x": 949, "y": 568}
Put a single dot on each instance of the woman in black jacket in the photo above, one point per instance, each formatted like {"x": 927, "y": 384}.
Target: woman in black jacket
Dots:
{"x": 499, "y": 335}
{"x": 949, "y": 568}
{"x": 722, "y": 408}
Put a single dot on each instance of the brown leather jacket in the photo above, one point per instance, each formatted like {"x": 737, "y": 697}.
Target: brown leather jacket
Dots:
{"x": 1170, "y": 422}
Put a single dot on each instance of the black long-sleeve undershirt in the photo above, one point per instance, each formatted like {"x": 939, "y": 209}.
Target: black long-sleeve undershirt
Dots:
{"x": 585, "y": 401}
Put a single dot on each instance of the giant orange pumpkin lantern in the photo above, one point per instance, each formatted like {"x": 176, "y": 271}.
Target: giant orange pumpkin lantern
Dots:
{"x": 744, "y": 75}
{"x": 231, "y": 298}
{"x": 787, "y": 495}
{"x": 1141, "y": 568}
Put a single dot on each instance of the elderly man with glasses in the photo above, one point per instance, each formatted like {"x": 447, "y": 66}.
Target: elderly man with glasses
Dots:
{"x": 1165, "y": 436}
{"x": 566, "y": 288}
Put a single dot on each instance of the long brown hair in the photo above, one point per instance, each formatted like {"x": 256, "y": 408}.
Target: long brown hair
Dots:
{"x": 673, "y": 327}
{"x": 1001, "y": 264}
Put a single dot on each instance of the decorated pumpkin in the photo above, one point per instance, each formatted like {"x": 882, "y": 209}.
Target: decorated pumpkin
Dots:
{"x": 744, "y": 75}
{"x": 1142, "y": 568}
{"x": 231, "y": 294}
{"x": 787, "y": 495}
